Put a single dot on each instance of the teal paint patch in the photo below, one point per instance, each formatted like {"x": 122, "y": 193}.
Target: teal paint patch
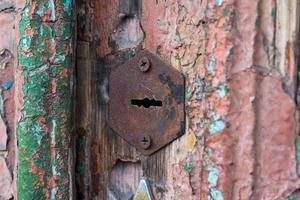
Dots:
{"x": 52, "y": 7}
{"x": 8, "y": 84}
{"x": 229, "y": 52}
{"x": 290, "y": 197}
{"x": 273, "y": 14}
{"x": 226, "y": 11}
{"x": 208, "y": 151}
{"x": 219, "y": 2}
{"x": 222, "y": 91}
{"x": 213, "y": 176}
{"x": 52, "y": 195}
{"x": 188, "y": 167}
{"x": 216, "y": 127}
{"x": 212, "y": 64}
{"x": 216, "y": 117}
{"x": 47, "y": 6}
{"x": 38, "y": 132}
{"x": 199, "y": 96}
{"x": 178, "y": 58}
{"x": 215, "y": 194}
{"x": 297, "y": 147}
{"x": 67, "y": 5}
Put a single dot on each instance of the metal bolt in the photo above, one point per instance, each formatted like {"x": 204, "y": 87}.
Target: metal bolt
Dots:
{"x": 144, "y": 64}
{"x": 145, "y": 141}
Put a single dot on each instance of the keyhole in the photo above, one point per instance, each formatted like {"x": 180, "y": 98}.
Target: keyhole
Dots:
{"x": 144, "y": 63}
{"x": 146, "y": 102}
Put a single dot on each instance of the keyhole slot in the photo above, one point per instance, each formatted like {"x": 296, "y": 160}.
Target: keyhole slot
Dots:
{"x": 143, "y": 63}
{"x": 146, "y": 102}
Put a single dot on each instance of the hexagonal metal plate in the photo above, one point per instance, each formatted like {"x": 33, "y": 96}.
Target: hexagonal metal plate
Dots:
{"x": 147, "y": 105}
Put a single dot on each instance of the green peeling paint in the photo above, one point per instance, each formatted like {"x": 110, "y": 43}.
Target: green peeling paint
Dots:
{"x": 273, "y": 14}
{"x": 213, "y": 176}
{"x": 219, "y": 2}
{"x": 297, "y": 147}
{"x": 215, "y": 194}
{"x": 217, "y": 125}
{"x": 8, "y": 84}
{"x": 208, "y": 151}
{"x": 229, "y": 52}
{"x": 222, "y": 91}
{"x": 290, "y": 197}
{"x": 44, "y": 130}
{"x": 188, "y": 167}
{"x": 226, "y": 11}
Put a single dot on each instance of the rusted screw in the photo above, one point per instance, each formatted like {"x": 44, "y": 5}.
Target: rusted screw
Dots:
{"x": 144, "y": 64}
{"x": 145, "y": 141}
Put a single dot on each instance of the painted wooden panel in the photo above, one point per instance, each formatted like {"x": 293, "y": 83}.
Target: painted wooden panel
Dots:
{"x": 240, "y": 63}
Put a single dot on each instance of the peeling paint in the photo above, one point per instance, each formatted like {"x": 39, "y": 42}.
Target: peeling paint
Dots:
{"x": 188, "y": 167}
{"x": 212, "y": 64}
{"x": 198, "y": 38}
{"x": 290, "y": 197}
{"x": 213, "y": 176}
{"x": 45, "y": 58}
{"x": 297, "y": 147}
{"x": 52, "y": 7}
{"x": 219, "y": 2}
{"x": 8, "y": 84}
{"x": 217, "y": 125}
{"x": 215, "y": 194}
{"x": 222, "y": 91}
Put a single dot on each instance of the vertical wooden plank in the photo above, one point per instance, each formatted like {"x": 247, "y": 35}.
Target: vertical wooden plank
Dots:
{"x": 45, "y": 53}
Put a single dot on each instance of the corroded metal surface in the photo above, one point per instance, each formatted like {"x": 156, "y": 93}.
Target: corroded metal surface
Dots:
{"x": 146, "y": 104}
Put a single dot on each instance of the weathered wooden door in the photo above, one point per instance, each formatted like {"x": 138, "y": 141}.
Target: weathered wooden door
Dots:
{"x": 239, "y": 63}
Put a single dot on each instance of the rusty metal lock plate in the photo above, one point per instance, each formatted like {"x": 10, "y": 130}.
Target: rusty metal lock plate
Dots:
{"x": 146, "y": 106}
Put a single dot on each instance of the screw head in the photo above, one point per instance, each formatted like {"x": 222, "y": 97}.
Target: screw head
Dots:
{"x": 145, "y": 141}
{"x": 144, "y": 64}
